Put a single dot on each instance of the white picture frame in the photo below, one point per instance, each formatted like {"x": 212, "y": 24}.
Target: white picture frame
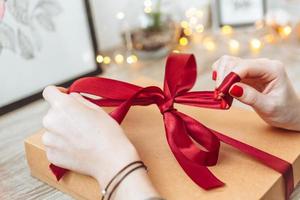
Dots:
{"x": 237, "y": 13}
{"x": 44, "y": 42}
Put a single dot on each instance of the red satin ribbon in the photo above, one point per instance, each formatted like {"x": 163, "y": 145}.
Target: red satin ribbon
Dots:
{"x": 181, "y": 130}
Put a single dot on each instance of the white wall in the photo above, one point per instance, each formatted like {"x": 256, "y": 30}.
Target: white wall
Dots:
{"x": 108, "y": 27}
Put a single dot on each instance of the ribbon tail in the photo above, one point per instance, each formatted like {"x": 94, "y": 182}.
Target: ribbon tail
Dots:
{"x": 191, "y": 158}
{"x": 201, "y": 175}
{"x": 58, "y": 171}
{"x": 105, "y": 88}
{"x": 281, "y": 166}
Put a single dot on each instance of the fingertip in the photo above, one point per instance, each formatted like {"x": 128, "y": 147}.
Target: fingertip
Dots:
{"x": 236, "y": 91}
{"x": 240, "y": 71}
{"x": 46, "y": 139}
{"x": 47, "y": 88}
{"x": 214, "y": 75}
{"x": 48, "y": 91}
{"x": 251, "y": 68}
{"x": 52, "y": 94}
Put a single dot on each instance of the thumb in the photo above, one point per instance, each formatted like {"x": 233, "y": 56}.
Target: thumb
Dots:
{"x": 247, "y": 95}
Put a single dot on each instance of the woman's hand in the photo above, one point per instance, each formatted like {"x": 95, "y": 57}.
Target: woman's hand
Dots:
{"x": 265, "y": 86}
{"x": 81, "y": 137}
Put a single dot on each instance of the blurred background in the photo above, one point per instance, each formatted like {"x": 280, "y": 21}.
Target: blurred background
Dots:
{"x": 135, "y": 36}
{"x": 109, "y": 16}
{"x": 46, "y": 42}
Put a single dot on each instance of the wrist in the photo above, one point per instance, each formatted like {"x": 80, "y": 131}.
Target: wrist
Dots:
{"x": 136, "y": 186}
{"x": 105, "y": 171}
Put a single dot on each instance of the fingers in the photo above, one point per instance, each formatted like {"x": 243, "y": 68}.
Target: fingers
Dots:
{"x": 61, "y": 102}
{"x": 58, "y": 96}
{"x": 57, "y": 150}
{"x": 51, "y": 140}
{"x": 52, "y": 120}
{"x": 256, "y": 68}
{"x": 53, "y": 95}
{"x": 215, "y": 70}
{"x": 222, "y": 67}
{"x": 261, "y": 68}
{"x": 57, "y": 157}
{"x": 48, "y": 121}
{"x": 248, "y": 95}
{"x": 82, "y": 100}
{"x": 56, "y": 123}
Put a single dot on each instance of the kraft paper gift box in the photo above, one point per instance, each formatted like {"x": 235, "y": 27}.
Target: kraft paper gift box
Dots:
{"x": 244, "y": 177}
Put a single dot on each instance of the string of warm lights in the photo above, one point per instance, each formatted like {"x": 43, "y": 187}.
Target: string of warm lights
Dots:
{"x": 148, "y": 6}
{"x": 256, "y": 44}
{"x": 193, "y": 25}
{"x": 117, "y": 59}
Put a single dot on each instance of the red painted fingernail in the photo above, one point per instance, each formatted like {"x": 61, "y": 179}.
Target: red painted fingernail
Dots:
{"x": 236, "y": 91}
{"x": 214, "y": 75}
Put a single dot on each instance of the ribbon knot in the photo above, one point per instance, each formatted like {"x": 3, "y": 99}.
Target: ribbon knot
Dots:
{"x": 222, "y": 92}
{"x": 194, "y": 145}
{"x": 166, "y": 106}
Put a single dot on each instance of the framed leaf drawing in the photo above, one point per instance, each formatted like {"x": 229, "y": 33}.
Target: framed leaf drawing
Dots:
{"x": 43, "y": 42}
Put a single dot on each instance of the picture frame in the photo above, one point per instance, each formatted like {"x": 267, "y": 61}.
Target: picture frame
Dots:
{"x": 237, "y": 13}
{"x": 89, "y": 53}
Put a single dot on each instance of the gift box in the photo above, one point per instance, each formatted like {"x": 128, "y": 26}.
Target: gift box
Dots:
{"x": 244, "y": 177}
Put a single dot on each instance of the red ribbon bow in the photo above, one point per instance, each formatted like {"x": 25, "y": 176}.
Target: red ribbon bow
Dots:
{"x": 181, "y": 130}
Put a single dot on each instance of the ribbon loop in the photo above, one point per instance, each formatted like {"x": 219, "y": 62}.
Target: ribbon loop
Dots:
{"x": 180, "y": 74}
